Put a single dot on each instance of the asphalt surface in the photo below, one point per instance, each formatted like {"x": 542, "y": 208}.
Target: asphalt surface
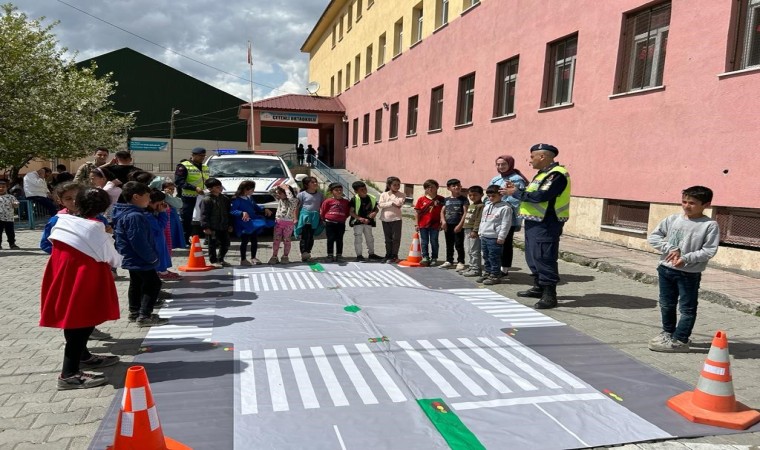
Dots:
{"x": 594, "y": 299}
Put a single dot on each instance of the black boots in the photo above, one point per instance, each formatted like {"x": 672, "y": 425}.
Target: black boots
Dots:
{"x": 535, "y": 292}
{"x": 548, "y": 298}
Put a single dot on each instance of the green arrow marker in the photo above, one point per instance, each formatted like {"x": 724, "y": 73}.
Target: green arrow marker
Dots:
{"x": 352, "y": 308}
{"x": 316, "y": 267}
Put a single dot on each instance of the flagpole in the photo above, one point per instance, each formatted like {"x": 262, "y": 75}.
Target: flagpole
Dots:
{"x": 250, "y": 67}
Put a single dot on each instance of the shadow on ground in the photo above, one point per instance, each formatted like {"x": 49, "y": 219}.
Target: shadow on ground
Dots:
{"x": 617, "y": 301}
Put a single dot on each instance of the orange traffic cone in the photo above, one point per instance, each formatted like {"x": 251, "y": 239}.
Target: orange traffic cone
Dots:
{"x": 138, "y": 426}
{"x": 713, "y": 401}
{"x": 196, "y": 262}
{"x": 415, "y": 253}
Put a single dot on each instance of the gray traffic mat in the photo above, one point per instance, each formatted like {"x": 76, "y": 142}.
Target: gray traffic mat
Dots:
{"x": 335, "y": 356}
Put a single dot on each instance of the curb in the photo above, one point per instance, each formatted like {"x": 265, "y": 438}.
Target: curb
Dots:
{"x": 728, "y": 301}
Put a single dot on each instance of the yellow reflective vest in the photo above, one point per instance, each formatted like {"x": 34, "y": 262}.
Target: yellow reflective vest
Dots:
{"x": 195, "y": 177}
{"x": 537, "y": 211}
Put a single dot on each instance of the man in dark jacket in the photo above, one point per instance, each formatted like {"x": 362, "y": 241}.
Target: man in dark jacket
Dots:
{"x": 134, "y": 241}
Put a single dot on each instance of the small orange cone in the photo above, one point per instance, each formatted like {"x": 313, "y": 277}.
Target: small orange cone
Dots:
{"x": 138, "y": 426}
{"x": 415, "y": 253}
{"x": 713, "y": 401}
{"x": 196, "y": 262}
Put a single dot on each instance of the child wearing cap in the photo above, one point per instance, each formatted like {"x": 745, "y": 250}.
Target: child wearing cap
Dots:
{"x": 334, "y": 212}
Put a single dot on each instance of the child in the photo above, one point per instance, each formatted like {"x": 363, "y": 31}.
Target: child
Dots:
{"x": 493, "y": 230}
{"x": 7, "y": 202}
{"x": 215, "y": 222}
{"x": 309, "y": 224}
{"x": 135, "y": 243}
{"x": 78, "y": 291}
{"x": 334, "y": 212}
{"x": 65, "y": 194}
{"x": 427, "y": 213}
{"x": 285, "y": 218}
{"x": 452, "y": 223}
{"x": 686, "y": 241}
{"x": 248, "y": 222}
{"x": 159, "y": 219}
{"x": 390, "y": 204}
{"x": 363, "y": 211}
{"x": 471, "y": 225}
{"x": 104, "y": 179}
{"x": 175, "y": 223}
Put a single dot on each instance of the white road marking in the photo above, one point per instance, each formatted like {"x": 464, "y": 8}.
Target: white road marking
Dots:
{"x": 428, "y": 369}
{"x": 331, "y": 381}
{"x": 382, "y": 376}
{"x": 308, "y": 396}
{"x": 362, "y": 388}
{"x": 276, "y": 387}
{"x": 247, "y": 384}
{"x": 463, "y": 406}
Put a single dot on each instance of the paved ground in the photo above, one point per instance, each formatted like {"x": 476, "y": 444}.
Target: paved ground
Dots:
{"x": 615, "y": 309}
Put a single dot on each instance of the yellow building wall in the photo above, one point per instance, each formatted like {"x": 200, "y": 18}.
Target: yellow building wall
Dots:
{"x": 380, "y": 17}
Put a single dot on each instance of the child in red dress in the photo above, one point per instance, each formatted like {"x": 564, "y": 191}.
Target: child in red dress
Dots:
{"x": 78, "y": 291}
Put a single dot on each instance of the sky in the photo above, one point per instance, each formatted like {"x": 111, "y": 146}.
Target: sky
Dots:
{"x": 215, "y": 32}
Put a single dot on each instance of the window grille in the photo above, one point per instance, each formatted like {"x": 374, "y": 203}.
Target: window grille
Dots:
{"x": 561, "y": 72}
{"x": 394, "y": 121}
{"x": 506, "y": 84}
{"x": 739, "y": 226}
{"x": 465, "y": 99}
{"x": 623, "y": 214}
{"x": 436, "y": 109}
{"x": 411, "y": 116}
{"x": 645, "y": 40}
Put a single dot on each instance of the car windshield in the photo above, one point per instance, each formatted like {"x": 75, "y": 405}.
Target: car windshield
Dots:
{"x": 246, "y": 168}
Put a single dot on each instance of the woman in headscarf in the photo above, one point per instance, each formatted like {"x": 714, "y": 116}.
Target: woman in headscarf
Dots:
{"x": 505, "y": 166}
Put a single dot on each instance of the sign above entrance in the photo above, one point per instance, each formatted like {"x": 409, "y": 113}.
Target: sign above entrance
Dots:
{"x": 290, "y": 117}
{"x": 150, "y": 146}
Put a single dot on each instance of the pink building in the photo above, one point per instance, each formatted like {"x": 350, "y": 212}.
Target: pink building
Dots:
{"x": 642, "y": 99}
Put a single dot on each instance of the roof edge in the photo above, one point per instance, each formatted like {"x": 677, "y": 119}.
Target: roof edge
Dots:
{"x": 307, "y": 44}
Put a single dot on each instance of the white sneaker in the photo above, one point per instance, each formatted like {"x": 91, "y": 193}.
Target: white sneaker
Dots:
{"x": 664, "y": 336}
{"x": 461, "y": 266}
{"x": 446, "y": 265}
{"x": 504, "y": 269}
{"x": 256, "y": 261}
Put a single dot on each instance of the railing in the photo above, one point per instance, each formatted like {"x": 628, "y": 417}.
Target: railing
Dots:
{"x": 333, "y": 176}
{"x": 30, "y": 215}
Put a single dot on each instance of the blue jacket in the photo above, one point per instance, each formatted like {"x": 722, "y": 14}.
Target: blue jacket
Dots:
{"x": 256, "y": 212}
{"x": 134, "y": 240}
{"x": 513, "y": 202}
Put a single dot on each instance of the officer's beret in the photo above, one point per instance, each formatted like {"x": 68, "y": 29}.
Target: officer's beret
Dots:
{"x": 547, "y": 147}
{"x": 199, "y": 151}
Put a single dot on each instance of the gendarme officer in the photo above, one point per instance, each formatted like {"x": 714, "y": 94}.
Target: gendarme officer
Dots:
{"x": 189, "y": 177}
{"x": 545, "y": 207}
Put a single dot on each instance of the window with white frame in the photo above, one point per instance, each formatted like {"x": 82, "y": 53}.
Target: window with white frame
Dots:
{"x": 465, "y": 99}
{"x": 357, "y": 68}
{"x": 645, "y": 39}
{"x": 340, "y": 28}
{"x": 350, "y": 17}
{"x": 332, "y": 85}
{"x": 394, "y": 122}
{"x": 340, "y": 81}
{"x": 398, "y": 37}
{"x": 334, "y": 34}
{"x": 358, "y": 10}
{"x": 348, "y": 76}
{"x": 417, "y": 23}
{"x": 746, "y": 52}
{"x": 436, "y": 109}
{"x": 378, "y": 124}
{"x": 441, "y": 13}
{"x": 368, "y": 61}
{"x": 381, "y": 50}
{"x": 411, "y": 115}
{"x": 560, "y": 72}
{"x": 506, "y": 84}
{"x": 470, "y": 3}
{"x": 365, "y": 130}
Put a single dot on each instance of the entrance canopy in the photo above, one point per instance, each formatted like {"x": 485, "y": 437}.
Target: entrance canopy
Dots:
{"x": 326, "y": 114}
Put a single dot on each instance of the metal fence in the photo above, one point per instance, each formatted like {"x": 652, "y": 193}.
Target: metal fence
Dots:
{"x": 739, "y": 226}
{"x": 333, "y": 177}
{"x": 148, "y": 167}
{"x": 30, "y": 215}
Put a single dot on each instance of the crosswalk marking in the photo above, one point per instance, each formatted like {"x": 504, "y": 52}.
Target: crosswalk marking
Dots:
{"x": 331, "y": 381}
{"x": 308, "y": 396}
{"x": 374, "y": 278}
{"x": 462, "y": 406}
{"x": 382, "y": 376}
{"x": 353, "y": 373}
{"x": 190, "y": 322}
{"x": 339, "y": 375}
{"x": 515, "y": 314}
{"x": 276, "y": 387}
{"x": 435, "y": 377}
{"x": 247, "y": 384}
{"x": 259, "y": 281}
{"x": 468, "y": 382}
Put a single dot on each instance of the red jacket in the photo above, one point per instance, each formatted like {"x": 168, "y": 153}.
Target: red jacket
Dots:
{"x": 334, "y": 210}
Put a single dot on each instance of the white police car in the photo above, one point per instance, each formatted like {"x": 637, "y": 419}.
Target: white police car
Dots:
{"x": 265, "y": 170}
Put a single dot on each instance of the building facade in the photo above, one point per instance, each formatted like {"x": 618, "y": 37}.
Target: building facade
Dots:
{"x": 642, "y": 98}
